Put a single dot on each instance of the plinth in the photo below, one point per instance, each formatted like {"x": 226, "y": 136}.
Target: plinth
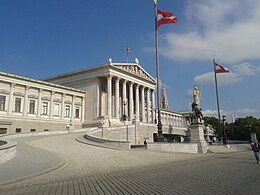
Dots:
{"x": 197, "y": 136}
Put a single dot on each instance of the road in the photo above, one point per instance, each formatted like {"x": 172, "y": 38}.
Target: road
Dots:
{"x": 61, "y": 165}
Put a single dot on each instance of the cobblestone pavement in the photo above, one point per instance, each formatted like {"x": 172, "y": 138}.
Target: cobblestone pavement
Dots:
{"x": 93, "y": 170}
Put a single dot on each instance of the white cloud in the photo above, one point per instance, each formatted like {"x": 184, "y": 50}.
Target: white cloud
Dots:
{"x": 237, "y": 73}
{"x": 230, "y": 28}
{"x": 246, "y": 69}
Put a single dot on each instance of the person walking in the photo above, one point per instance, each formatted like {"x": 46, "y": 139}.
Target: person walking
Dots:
{"x": 255, "y": 148}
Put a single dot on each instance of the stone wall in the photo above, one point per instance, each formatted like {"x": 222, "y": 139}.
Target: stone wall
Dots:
{"x": 28, "y": 125}
{"x": 7, "y": 151}
{"x": 173, "y": 147}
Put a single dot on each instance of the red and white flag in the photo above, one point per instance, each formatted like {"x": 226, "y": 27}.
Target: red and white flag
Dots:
{"x": 165, "y": 18}
{"x": 221, "y": 69}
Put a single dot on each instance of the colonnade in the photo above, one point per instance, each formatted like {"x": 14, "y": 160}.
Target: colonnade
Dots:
{"x": 38, "y": 99}
{"x": 130, "y": 98}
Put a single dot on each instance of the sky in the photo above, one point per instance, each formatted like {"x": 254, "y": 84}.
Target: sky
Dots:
{"x": 39, "y": 39}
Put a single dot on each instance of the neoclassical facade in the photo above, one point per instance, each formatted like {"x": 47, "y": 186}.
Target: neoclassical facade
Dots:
{"x": 28, "y": 104}
{"x": 114, "y": 90}
{"x": 81, "y": 98}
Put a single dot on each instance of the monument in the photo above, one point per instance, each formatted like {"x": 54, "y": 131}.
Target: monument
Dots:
{"x": 164, "y": 99}
{"x": 196, "y": 126}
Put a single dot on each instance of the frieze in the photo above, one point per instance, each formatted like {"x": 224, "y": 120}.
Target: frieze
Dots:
{"x": 46, "y": 98}
{"x": 3, "y": 91}
{"x": 77, "y": 103}
{"x": 18, "y": 94}
{"x": 68, "y": 102}
{"x": 136, "y": 70}
{"x": 33, "y": 96}
{"x": 57, "y": 100}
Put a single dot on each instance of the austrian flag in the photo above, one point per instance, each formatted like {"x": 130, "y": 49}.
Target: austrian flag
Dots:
{"x": 221, "y": 69}
{"x": 165, "y": 18}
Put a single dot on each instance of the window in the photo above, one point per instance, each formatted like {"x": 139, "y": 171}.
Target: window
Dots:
{"x": 18, "y": 130}
{"x": 44, "y": 108}
{"x": 77, "y": 112}
{"x": 56, "y": 111}
{"x": 33, "y": 130}
{"x": 3, "y": 130}
{"x": 2, "y": 102}
{"x": 67, "y": 111}
{"x": 17, "y": 104}
{"x": 32, "y": 107}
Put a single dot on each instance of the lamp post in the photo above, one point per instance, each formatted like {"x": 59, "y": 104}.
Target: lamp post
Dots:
{"x": 224, "y": 131}
{"x": 124, "y": 117}
{"x": 155, "y": 118}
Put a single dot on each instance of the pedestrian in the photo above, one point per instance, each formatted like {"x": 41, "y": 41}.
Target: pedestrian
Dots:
{"x": 255, "y": 148}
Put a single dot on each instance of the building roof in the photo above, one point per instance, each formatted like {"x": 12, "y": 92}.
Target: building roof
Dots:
{"x": 19, "y": 77}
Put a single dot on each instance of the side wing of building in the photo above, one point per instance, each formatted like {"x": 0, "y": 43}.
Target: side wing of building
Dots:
{"x": 29, "y": 105}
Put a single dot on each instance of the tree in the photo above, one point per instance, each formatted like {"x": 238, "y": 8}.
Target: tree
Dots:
{"x": 242, "y": 127}
{"x": 239, "y": 130}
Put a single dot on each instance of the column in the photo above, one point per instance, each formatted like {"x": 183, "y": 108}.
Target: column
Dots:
{"x": 62, "y": 105}
{"x": 25, "y": 103}
{"x": 109, "y": 94}
{"x": 137, "y": 102}
{"x": 39, "y": 104}
{"x": 96, "y": 105}
{"x": 117, "y": 98}
{"x": 148, "y": 105}
{"x": 11, "y": 95}
{"x": 124, "y": 110}
{"x": 82, "y": 109}
{"x": 131, "y": 105}
{"x": 153, "y": 107}
{"x": 51, "y": 104}
{"x": 73, "y": 108}
{"x": 142, "y": 104}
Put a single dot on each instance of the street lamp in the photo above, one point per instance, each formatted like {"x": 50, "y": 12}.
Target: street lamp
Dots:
{"x": 224, "y": 131}
{"x": 124, "y": 117}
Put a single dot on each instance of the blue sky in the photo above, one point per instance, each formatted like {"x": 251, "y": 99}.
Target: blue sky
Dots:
{"x": 39, "y": 39}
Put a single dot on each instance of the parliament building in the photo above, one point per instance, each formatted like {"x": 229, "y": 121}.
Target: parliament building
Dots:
{"x": 81, "y": 98}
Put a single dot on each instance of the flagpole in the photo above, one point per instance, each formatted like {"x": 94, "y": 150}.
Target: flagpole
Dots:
{"x": 159, "y": 125}
{"x": 216, "y": 84}
{"x": 127, "y": 53}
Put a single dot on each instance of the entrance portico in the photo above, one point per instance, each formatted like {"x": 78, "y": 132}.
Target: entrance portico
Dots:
{"x": 111, "y": 85}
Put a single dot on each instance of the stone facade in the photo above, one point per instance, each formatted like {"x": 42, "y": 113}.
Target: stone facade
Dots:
{"x": 82, "y": 99}
{"x": 113, "y": 90}
{"x": 32, "y": 105}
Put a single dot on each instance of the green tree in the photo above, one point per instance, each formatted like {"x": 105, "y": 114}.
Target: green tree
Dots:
{"x": 239, "y": 130}
{"x": 242, "y": 127}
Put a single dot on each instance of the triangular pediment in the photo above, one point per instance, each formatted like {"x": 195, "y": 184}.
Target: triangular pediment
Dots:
{"x": 136, "y": 70}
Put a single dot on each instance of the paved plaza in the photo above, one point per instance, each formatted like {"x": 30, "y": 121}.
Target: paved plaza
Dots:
{"x": 61, "y": 165}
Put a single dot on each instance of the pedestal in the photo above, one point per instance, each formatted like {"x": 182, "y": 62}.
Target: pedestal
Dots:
{"x": 253, "y": 137}
{"x": 197, "y": 136}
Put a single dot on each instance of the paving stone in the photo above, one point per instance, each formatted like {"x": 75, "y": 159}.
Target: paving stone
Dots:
{"x": 91, "y": 170}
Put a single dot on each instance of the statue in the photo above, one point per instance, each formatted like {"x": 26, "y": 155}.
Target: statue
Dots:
{"x": 164, "y": 99}
{"x": 196, "y": 95}
{"x": 110, "y": 61}
{"x": 196, "y": 114}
